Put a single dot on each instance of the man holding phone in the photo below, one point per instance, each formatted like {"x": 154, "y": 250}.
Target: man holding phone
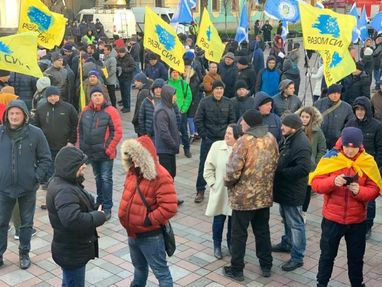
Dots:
{"x": 349, "y": 178}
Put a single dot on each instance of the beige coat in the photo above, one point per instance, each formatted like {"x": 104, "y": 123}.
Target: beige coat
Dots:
{"x": 214, "y": 172}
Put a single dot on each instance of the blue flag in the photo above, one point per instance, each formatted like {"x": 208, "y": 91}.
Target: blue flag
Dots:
{"x": 183, "y": 13}
{"x": 376, "y": 23}
{"x": 356, "y": 32}
{"x": 283, "y": 10}
{"x": 242, "y": 30}
{"x": 191, "y": 3}
{"x": 362, "y": 26}
{"x": 285, "y": 30}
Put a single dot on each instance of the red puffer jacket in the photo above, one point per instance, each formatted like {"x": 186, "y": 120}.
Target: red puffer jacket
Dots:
{"x": 340, "y": 205}
{"x": 156, "y": 184}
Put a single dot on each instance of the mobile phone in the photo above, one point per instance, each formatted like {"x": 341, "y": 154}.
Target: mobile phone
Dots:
{"x": 349, "y": 180}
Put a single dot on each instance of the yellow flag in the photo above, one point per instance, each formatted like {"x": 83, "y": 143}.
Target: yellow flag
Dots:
{"x": 18, "y": 53}
{"x": 209, "y": 39}
{"x": 82, "y": 92}
{"x": 337, "y": 65}
{"x": 161, "y": 39}
{"x": 50, "y": 26}
{"x": 323, "y": 29}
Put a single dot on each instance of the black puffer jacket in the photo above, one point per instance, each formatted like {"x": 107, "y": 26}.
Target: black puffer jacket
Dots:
{"x": 291, "y": 178}
{"x": 242, "y": 104}
{"x": 228, "y": 75}
{"x": 142, "y": 94}
{"x": 356, "y": 86}
{"x": 371, "y": 130}
{"x": 248, "y": 75}
{"x": 72, "y": 213}
{"x": 213, "y": 116}
{"x": 127, "y": 64}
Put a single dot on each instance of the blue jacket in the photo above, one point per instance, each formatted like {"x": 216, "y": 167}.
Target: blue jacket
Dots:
{"x": 25, "y": 159}
{"x": 25, "y": 87}
{"x": 258, "y": 58}
{"x": 268, "y": 81}
{"x": 157, "y": 71}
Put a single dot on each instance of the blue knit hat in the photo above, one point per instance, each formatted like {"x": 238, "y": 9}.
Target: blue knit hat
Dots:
{"x": 94, "y": 73}
{"x": 140, "y": 77}
{"x": 352, "y": 137}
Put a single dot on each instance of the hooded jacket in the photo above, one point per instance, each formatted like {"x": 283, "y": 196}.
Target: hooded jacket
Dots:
{"x": 283, "y": 104}
{"x": 242, "y": 104}
{"x": 166, "y": 130}
{"x": 228, "y": 76}
{"x": 340, "y": 205}
{"x": 25, "y": 159}
{"x": 271, "y": 120}
{"x": 58, "y": 123}
{"x": 72, "y": 212}
{"x": 371, "y": 130}
{"x": 59, "y": 78}
{"x": 99, "y": 131}
{"x": 155, "y": 183}
{"x": 248, "y": 75}
{"x": 250, "y": 170}
{"x": 294, "y": 163}
{"x": 183, "y": 93}
{"x": 143, "y": 93}
{"x": 268, "y": 79}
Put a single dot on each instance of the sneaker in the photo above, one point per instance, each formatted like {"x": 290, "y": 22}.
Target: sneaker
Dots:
{"x": 125, "y": 110}
{"x": 188, "y": 154}
{"x": 266, "y": 272}
{"x": 25, "y": 261}
{"x": 280, "y": 248}
{"x": 17, "y": 233}
{"x": 218, "y": 253}
{"x": 120, "y": 103}
{"x": 228, "y": 272}
{"x": 43, "y": 206}
{"x": 199, "y": 197}
{"x": 291, "y": 265}
{"x": 107, "y": 214}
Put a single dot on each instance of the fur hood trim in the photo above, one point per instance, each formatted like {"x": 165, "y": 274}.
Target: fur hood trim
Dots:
{"x": 140, "y": 152}
{"x": 317, "y": 117}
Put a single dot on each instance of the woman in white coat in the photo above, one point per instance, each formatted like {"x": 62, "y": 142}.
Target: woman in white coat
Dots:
{"x": 214, "y": 172}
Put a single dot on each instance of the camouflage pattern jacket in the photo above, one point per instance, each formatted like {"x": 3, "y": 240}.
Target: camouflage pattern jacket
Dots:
{"x": 251, "y": 168}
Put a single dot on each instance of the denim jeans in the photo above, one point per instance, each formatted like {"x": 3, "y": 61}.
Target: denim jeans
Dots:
{"x": 191, "y": 126}
{"x": 294, "y": 238}
{"x": 259, "y": 220}
{"x": 204, "y": 149}
{"x": 370, "y": 214}
{"x": 27, "y": 205}
{"x": 73, "y": 277}
{"x": 184, "y": 131}
{"x": 145, "y": 252}
{"x": 217, "y": 230}
{"x": 125, "y": 87}
{"x": 377, "y": 76}
{"x": 103, "y": 172}
{"x": 331, "y": 235}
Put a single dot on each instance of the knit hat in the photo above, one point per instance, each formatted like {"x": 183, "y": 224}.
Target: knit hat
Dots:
{"x": 52, "y": 91}
{"x": 140, "y": 77}
{"x": 293, "y": 121}
{"x": 266, "y": 100}
{"x": 253, "y": 118}
{"x": 56, "y": 56}
{"x": 217, "y": 83}
{"x": 352, "y": 137}
{"x": 243, "y": 61}
{"x": 284, "y": 84}
{"x": 43, "y": 83}
{"x": 240, "y": 84}
{"x": 94, "y": 73}
{"x": 158, "y": 83}
{"x": 68, "y": 48}
{"x": 96, "y": 89}
{"x": 335, "y": 88}
{"x": 230, "y": 55}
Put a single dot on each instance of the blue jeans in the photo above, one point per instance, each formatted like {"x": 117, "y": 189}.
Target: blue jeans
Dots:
{"x": 217, "y": 230}
{"x": 370, "y": 214}
{"x": 103, "y": 172}
{"x": 27, "y": 205}
{"x": 73, "y": 277}
{"x": 184, "y": 132}
{"x": 294, "y": 238}
{"x": 204, "y": 149}
{"x": 377, "y": 76}
{"x": 125, "y": 87}
{"x": 191, "y": 126}
{"x": 145, "y": 252}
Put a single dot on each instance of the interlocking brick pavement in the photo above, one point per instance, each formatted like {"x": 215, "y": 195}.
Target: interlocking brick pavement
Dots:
{"x": 193, "y": 264}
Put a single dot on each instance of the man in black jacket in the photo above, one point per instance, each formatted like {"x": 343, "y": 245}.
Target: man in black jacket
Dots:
{"x": 125, "y": 73}
{"x": 228, "y": 71}
{"x": 143, "y": 84}
{"x": 24, "y": 163}
{"x": 73, "y": 216}
{"x": 246, "y": 73}
{"x": 58, "y": 121}
{"x": 372, "y": 142}
{"x": 357, "y": 84}
{"x": 212, "y": 117}
{"x": 289, "y": 189}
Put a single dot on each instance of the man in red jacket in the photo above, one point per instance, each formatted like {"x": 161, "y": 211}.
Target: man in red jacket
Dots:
{"x": 349, "y": 178}
{"x": 146, "y": 178}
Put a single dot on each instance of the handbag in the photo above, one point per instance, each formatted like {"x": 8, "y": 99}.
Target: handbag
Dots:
{"x": 168, "y": 232}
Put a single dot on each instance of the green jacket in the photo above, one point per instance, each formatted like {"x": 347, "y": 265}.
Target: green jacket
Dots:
{"x": 183, "y": 94}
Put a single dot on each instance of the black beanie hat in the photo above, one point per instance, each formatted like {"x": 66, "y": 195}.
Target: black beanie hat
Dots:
{"x": 240, "y": 84}
{"x": 293, "y": 121}
{"x": 243, "y": 61}
{"x": 335, "y": 88}
{"x": 217, "y": 83}
{"x": 352, "y": 137}
{"x": 52, "y": 90}
{"x": 96, "y": 89}
{"x": 253, "y": 118}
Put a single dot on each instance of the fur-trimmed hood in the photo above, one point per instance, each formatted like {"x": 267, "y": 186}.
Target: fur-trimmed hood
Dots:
{"x": 141, "y": 153}
{"x": 317, "y": 117}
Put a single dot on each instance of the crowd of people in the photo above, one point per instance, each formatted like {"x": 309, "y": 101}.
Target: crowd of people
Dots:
{"x": 258, "y": 144}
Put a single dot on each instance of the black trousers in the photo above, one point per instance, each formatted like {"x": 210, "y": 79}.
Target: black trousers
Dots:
{"x": 168, "y": 161}
{"x": 332, "y": 233}
{"x": 307, "y": 198}
{"x": 111, "y": 91}
{"x": 259, "y": 220}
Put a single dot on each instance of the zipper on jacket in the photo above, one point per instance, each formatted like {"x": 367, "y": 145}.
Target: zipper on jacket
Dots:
{"x": 13, "y": 162}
